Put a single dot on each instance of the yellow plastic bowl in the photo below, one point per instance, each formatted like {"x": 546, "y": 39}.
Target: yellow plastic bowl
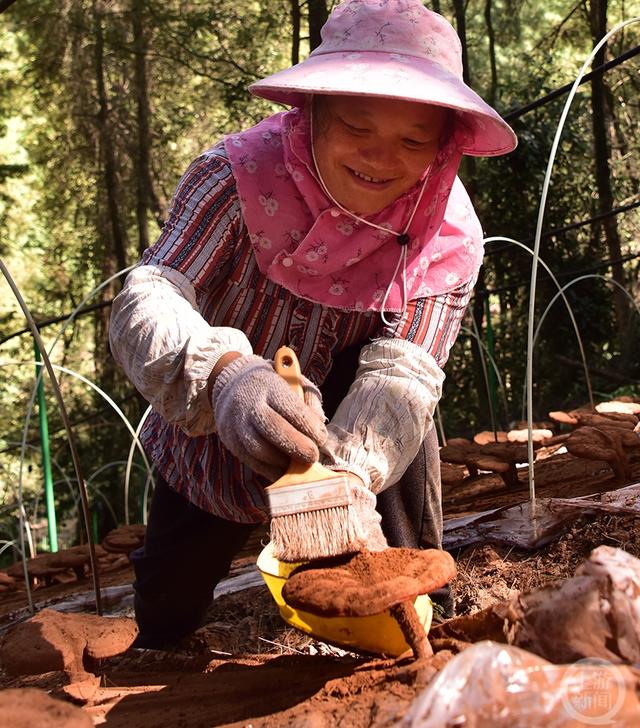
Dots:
{"x": 378, "y": 634}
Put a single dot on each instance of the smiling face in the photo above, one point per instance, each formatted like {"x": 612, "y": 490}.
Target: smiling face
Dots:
{"x": 370, "y": 150}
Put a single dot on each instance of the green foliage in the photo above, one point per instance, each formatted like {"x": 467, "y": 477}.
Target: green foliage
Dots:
{"x": 70, "y": 106}
{"x": 548, "y": 49}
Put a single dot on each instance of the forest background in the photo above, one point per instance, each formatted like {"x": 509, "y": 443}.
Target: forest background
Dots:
{"x": 103, "y": 103}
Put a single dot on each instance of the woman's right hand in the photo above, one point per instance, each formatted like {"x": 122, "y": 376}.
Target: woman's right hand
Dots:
{"x": 261, "y": 421}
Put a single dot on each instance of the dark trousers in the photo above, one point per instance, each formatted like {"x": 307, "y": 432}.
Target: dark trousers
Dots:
{"x": 188, "y": 551}
{"x": 185, "y": 554}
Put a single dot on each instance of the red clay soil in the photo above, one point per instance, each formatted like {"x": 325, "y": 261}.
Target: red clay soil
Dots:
{"x": 32, "y": 708}
{"x": 313, "y": 691}
{"x": 72, "y": 643}
{"x": 189, "y": 689}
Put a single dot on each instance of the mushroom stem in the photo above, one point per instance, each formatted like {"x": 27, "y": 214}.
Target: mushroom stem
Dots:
{"x": 620, "y": 468}
{"x": 510, "y": 478}
{"x": 412, "y": 628}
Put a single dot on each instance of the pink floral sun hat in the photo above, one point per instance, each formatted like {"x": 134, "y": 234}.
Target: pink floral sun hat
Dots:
{"x": 395, "y": 49}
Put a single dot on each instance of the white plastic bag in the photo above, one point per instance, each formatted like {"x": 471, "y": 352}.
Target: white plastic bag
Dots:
{"x": 490, "y": 685}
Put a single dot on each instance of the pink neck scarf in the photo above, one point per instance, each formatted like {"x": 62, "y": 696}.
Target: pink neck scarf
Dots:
{"x": 305, "y": 243}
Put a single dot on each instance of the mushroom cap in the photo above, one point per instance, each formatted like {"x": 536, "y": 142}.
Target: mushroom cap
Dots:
{"x": 520, "y": 436}
{"x": 627, "y": 438}
{"x": 124, "y": 539}
{"x": 556, "y": 439}
{"x": 450, "y": 474}
{"x": 631, "y": 420}
{"x": 84, "y": 549}
{"x": 541, "y": 425}
{"x": 368, "y": 582}
{"x": 39, "y": 567}
{"x": 462, "y": 441}
{"x": 69, "y": 559}
{"x": 496, "y": 466}
{"x": 121, "y": 544}
{"x": 6, "y": 580}
{"x": 486, "y": 436}
{"x": 120, "y": 561}
{"x": 33, "y": 708}
{"x": 624, "y": 422}
{"x": 617, "y": 407}
{"x": 459, "y": 454}
{"x": 565, "y": 418}
{"x": 510, "y": 452}
{"x": 592, "y": 443}
{"x": 131, "y": 530}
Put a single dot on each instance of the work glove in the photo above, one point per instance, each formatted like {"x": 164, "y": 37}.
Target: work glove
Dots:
{"x": 368, "y": 520}
{"x": 262, "y": 421}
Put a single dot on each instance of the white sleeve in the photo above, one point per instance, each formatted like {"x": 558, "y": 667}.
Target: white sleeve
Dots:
{"x": 166, "y": 348}
{"x": 379, "y": 426}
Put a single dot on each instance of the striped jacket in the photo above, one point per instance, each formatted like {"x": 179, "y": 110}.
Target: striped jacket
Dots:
{"x": 198, "y": 293}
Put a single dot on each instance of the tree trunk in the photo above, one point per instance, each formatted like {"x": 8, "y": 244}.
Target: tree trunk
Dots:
{"x": 459, "y": 10}
{"x": 621, "y": 140}
{"x": 602, "y": 156}
{"x": 469, "y": 174}
{"x": 459, "y": 7}
{"x": 318, "y": 15}
{"x": 295, "y": 32}
{"x": 143, "y": 151}
{"x": 107, "y": 150}
{"x": 111, "y": 239}
{"x": 492, "y": 53}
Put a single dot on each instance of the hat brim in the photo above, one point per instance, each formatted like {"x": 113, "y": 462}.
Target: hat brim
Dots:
{"x": 407, "y": 78}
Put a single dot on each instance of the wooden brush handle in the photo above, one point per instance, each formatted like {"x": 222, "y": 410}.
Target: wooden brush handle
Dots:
{"x": 287, "y": 366}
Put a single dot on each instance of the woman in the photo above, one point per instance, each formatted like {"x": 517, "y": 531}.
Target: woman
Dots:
{"x": 338, "y": 228}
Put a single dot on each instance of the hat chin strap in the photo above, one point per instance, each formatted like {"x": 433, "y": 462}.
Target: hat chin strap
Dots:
{"x": 403, "y": 237}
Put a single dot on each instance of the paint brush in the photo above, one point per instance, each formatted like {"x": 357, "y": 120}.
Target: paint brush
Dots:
{"x": 315, "y": 512}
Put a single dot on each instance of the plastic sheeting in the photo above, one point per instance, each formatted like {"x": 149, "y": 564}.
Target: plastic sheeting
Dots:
{"x": 499, "y": 686}
{"x": 530, "y": 527}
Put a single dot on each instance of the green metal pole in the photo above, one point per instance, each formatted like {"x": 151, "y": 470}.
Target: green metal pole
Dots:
{"x": 46, "y": 458}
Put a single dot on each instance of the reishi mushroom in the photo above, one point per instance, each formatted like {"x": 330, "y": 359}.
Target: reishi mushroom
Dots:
{"x": 39, "y": 567}
{"x": 616, "y": 406}
{"x": 486, "y": 436}
{"x": 522, "y": 436}
{"x": 124, "y": 539}
{"x": 450, "y": 474}
{"x": 369, "y": 583}
{"x": 497, "y": 457}
{"x": 607, "y": 444}
{"x": 74, "y": 560}
{"x": 580, "y": 418}
{"x": 564, "y": 418}
{"x": 7, "y": 583}
{"x": 461, "y": 452}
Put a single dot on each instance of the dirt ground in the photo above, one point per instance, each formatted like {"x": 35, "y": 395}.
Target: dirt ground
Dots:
{"x": 247, "y": 668}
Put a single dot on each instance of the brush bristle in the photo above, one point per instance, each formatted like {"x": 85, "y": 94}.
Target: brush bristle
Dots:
{"x": 317, "y": 534}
